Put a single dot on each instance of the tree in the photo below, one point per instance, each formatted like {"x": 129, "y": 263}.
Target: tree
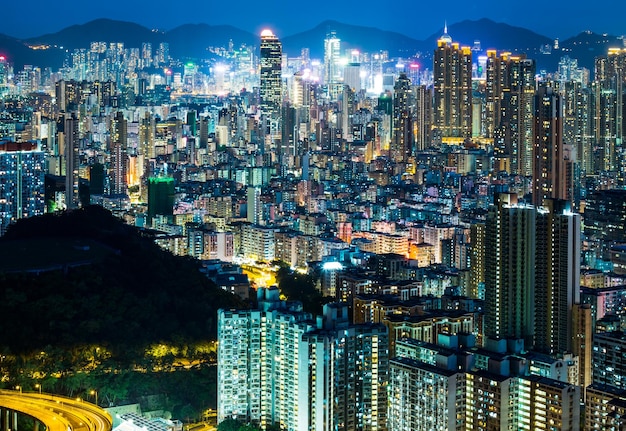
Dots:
{"x": 229, "y": 425}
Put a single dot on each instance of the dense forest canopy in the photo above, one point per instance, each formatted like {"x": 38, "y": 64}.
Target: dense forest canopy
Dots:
{"x": 124, "y": 294}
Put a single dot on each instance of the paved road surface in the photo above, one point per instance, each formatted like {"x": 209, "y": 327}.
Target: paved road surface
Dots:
{"x": 58, "y": 413}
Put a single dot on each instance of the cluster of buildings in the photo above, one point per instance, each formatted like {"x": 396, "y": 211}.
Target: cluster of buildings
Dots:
{"x": 469, "y": 221}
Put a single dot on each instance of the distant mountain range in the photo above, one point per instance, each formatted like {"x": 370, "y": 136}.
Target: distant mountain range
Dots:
{"x": 192, "y": 41}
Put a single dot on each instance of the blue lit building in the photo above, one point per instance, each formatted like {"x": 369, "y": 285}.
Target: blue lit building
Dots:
{"x": 277, "y": 365}
{"x": 22, "y": 170}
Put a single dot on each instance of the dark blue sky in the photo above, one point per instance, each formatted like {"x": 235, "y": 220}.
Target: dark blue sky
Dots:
{"x": 414, "y": 18}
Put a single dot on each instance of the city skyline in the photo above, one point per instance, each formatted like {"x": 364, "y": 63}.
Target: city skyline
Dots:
{"x": 417, "y": 21}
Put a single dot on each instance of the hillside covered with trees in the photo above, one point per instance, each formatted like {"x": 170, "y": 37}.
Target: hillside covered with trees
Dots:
{"x": 88, "y": 302}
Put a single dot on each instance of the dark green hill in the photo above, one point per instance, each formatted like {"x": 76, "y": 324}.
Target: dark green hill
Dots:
{"x": 85, "y": 277}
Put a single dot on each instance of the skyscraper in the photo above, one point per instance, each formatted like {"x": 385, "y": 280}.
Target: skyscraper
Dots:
{"x": 532, "y": 266}
{"x": 277, "y": 366}
{"x": 22, "y": 170}
{"x": 509, "y": 92}
{"x": 270, "y": 90}
{"x": 550, "y": 179}
{"x": 452, "y": 71}
{"x": 423, "y": 116}
{"x": 509, "y": 269}
{"x": 332, "y": 46}
{"x": 255, "y": 208}
{"x": 557, "y": 276}
{"x": 610, "y": 76}
{"x": 402, "y": 146}
{"x": 72, "y": 161}
{"x": 119, "y": 154}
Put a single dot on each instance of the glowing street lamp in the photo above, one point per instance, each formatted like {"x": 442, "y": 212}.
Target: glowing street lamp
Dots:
{"x": 18, "y": 388}
{"x": 95, "y": 393}
{"x": 38, "y": 386}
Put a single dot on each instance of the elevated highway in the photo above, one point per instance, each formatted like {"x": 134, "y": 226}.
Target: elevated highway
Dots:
{"x": 51, "y": 412}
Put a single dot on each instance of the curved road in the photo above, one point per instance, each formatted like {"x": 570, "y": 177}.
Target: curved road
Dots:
{"x": 58, "y": 413}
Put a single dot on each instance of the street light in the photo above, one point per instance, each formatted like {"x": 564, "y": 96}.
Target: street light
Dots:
{"x": 18, "y": 388}
{"x": 95, "y": 392}
{"x": 38, "y": 386}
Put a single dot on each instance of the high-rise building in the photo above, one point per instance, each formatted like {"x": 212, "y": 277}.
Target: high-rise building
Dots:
{"x": 22, "y": 170}
{"x": 610, "y": 76}
{"x": 270, "y": 91}
{"x": 277, "y": 366}
{"x": 532, "y": 266}
{"x": 509, "y": 269}
{"x": 255, "y": 208}
{"x": 451, "y": 386}
{"x": 289, "y": 136}
{"x": 605, "y": 408}
{"x": 352, "y": 76}
{"x": 550, "y": 178}
{"x": 477, "y": 261}
{"x": 578, "y": 122}
{"x": 332, "y": 51}
{"x": 119, "y": 154}
{"x": 509, "y": 93}
{"x": 609, "y": 359}
{"x": 355, "y": 360}
{"x": 160, "y": 197}
{"x": 557, "y": 276}
{"x": 402, "y": 146}
{"x": 452, "y": 71}
{"x": 423, "y": 117}
{"x": 425, "y": 397}
{"x": 605, "y": 215}
{"x": 72, "y": 161}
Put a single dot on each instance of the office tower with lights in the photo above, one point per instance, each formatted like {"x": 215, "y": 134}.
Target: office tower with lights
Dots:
{"x": 332, "y": 52}
{"x": 578, "y": 121}
{"x": 425, "y": 397}
{"x": 605, "y": 408}
{"x": 402, "y": 146}
{"x": 119, "y": 154}
{"x": 22, "y": 170}
{"x": 509, "y": 94}
{"x": 605, "y": 215}
{"x": 452, "y": 71}
{"x": 72, "y": 161}
{"x": 289, "y": 136}
{"x": 146, "y": 149}
{"x": 67, "y": 95}
{"x": 609, "y": 359}
{"x": 557, "y": 276}
{"x": 352, "y": 76}
{"x": 550, "y": 167}
{"x": 532, "y": 266}
{"x": 423, "y": 116}
{"x": 348, "y": 365}
{"x": 255, "y": 207}
{"x": 270, "y": 90}
{"x": 477, "y": 261}
{"x": 276, "y": 365}
{"x": 452, "y": 386}
{"x": 509, "y": 269}
{"x": 262, "y": 369}
{"x": 4, "y": 75}
{"x": 610, "y": 76}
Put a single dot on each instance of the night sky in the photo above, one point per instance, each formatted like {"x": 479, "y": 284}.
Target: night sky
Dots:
{"x": 414, "y": 18}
